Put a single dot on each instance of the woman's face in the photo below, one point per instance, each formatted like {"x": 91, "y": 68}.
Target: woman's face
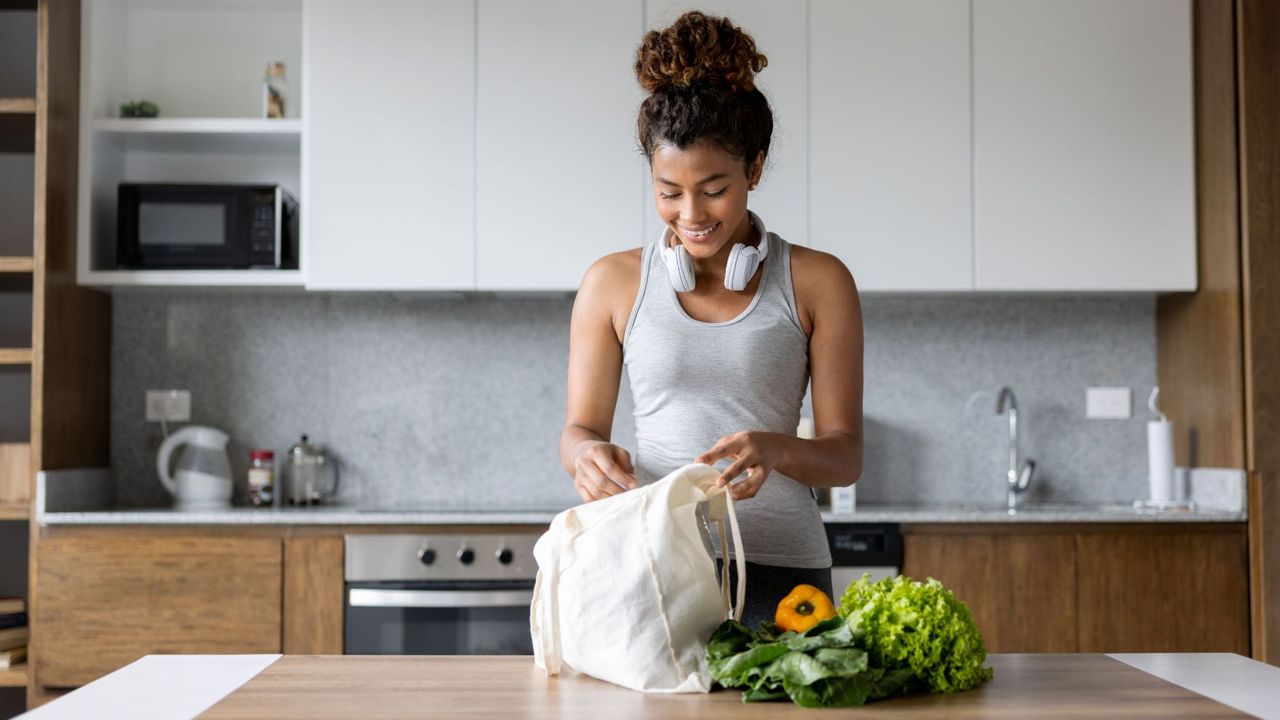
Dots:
{"x": 701, "y": 195}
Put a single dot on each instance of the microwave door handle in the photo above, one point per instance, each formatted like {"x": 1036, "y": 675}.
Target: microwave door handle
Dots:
{"x": 368, "y": 597}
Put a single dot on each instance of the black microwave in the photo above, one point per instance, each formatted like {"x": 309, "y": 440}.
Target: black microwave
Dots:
{"x": 185, "y": 226}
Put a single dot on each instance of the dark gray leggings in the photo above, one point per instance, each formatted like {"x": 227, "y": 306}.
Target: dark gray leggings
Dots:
{"x": 768, "y": 584}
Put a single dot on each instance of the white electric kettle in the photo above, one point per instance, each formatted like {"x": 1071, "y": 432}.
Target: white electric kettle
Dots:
{"x": 202, "y": 478}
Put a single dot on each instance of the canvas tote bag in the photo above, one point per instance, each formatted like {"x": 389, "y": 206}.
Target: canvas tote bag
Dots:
{"x": 626, "y": 590}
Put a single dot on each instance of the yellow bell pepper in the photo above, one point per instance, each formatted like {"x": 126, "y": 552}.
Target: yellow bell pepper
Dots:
{"x": 804, "y": 607}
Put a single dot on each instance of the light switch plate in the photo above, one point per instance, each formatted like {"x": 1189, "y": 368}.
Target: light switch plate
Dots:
{"x": 168, "y": 405}
{"x": 1108, "y": 403}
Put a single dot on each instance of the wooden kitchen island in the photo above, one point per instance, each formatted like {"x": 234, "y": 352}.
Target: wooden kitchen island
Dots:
{"x": 1040, "y": 686}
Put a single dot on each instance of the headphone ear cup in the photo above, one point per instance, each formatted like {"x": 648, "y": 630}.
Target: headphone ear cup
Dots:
{"x": 679, "y": 268}
{"x": 742, "y": 264}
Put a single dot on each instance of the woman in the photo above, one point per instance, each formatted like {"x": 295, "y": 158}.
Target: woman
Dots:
{"x": 719, "y": 350}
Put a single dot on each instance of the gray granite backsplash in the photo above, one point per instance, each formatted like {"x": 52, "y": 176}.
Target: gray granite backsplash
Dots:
{"x": 455, "y": 402}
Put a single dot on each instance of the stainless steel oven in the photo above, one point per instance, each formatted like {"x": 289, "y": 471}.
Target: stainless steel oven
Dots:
{"x": 439, "y": 594}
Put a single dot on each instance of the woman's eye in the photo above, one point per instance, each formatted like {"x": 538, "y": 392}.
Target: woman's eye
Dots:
{"x": 666, "y": 196}
{"x": 717, "y": 193}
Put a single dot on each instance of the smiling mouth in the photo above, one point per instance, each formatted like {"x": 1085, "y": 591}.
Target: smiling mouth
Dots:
{"x": 701, "y": 234}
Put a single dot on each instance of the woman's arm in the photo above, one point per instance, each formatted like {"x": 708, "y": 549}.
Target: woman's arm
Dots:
{"x": 833, "y": 458}
{"x": 599, "y": 469}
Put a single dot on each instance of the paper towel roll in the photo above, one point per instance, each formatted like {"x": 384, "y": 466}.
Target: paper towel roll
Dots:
{"x": 1160, "y": 460}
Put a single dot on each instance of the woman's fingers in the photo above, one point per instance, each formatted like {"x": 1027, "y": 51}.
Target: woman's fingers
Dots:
{"x": 736, "y": 468}
{"x": 748, "y": 487}
{"x": 600, "y": 485}
{"x": 723, "y": 448}
{"x": 583, "y": 492}
{"x": 619, "y": 474}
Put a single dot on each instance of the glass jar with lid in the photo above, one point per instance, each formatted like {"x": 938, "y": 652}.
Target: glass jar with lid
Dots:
{"x": 262, "y": 478}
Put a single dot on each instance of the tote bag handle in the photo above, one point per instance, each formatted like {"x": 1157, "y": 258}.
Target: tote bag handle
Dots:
{"x": 732, "y": 611}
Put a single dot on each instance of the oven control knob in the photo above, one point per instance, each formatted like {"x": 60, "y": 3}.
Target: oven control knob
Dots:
{"x": 466, "y": 556}
{"x": 427, "y": 556}
{"x": 505, "y": 556}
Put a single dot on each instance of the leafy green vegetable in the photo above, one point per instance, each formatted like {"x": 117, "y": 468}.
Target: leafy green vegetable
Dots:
{"x": 890, "y": 637}
{"x": 919, "y": 627}
{"x": 818, "y": 668}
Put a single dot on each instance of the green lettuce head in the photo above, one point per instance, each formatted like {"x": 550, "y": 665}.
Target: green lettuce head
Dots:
{"x": 921, "y": 626}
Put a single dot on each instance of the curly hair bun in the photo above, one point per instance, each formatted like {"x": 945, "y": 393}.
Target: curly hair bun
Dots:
{"x": 698, "y": 48}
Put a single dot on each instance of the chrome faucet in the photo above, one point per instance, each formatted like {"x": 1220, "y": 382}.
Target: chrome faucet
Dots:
{"x": 1019, "y": 472}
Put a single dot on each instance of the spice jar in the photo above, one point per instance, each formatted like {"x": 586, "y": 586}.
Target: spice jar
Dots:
{"x": 274, "y": 91}
{"x": 262, "y": 477}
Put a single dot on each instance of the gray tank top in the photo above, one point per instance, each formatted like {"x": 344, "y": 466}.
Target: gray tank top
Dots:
{"x": 694, "y": 382}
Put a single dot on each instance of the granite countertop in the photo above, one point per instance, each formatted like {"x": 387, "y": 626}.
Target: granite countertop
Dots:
{"x": 339, "y": 515}
{"x": 1031, "y": 513}
{"x": 323, "y": 515}
{"x": 85, "y": 497}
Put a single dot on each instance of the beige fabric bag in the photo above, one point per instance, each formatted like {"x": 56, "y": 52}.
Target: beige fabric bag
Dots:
{"x": 627, "y": 591}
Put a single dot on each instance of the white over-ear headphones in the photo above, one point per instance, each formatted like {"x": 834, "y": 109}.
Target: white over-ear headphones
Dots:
{"x": 743, "y": 261}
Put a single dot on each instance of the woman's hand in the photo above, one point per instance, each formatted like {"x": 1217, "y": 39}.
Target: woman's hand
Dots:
{"x": 601, "y": 469}
{"x": 755, "y": 453}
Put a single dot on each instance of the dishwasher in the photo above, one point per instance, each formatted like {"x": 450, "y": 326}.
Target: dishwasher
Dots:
{"x": 858, "y": 548}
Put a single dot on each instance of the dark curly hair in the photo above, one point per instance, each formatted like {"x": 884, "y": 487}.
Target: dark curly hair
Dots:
{"x": 700, "y": 75}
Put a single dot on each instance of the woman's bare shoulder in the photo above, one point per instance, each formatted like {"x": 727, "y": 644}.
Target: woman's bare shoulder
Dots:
{"x": 820, "y": 280}
{"x": 611, "y": 270}
{"x": 610, "y": 286}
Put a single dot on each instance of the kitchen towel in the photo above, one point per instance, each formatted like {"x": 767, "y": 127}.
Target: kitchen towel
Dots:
{"x": 627, "y": 589}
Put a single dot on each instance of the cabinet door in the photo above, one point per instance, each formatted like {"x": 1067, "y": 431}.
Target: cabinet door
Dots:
{"x": 1083, "y": 145}
{"x": 1019, "y": 587}
{"x": 779, "y": 32}
{"x": 1164, "y": 591}
{"x": 388, "y": 146}
{"x": 891, "y": 173}
{"x": 313, "y": 595}
{"x": 556, "y": 156}
{"x": 103, "y": 602}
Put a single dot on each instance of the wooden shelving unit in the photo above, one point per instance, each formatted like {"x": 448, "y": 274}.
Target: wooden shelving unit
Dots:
{"x": 17, "y": 264}
{"x": 15, "y": 356}
{"x": 39, "y": 115}
{"x": 18, "y": 81}
{"x": 69, "y": 349}
{"x": 18, "y": 105}
{"x": 15, "y": 676}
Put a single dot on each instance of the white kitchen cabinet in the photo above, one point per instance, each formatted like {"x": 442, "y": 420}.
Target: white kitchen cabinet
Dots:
{"x": 779, "y": 32}
{"x": 890, "y": 145}
{"x": 1083, "y": 146}
{"x": 388, "y": 145}
{"x": 557, "y": 162}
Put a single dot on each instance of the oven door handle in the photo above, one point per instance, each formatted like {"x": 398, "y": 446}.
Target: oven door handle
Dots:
{"x": 368, "y": 597}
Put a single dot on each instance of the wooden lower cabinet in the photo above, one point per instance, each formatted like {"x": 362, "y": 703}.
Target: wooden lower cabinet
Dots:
{"x": 1020, "y": 588}
{"x": 105, "y": 601}
{"x": 1093, "y": 589}
{"x": 1167, "y": 592}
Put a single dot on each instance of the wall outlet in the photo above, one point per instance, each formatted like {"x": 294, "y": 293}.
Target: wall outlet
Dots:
{"x": 168, "y": 405}
{"x": 1108, "y": 403}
